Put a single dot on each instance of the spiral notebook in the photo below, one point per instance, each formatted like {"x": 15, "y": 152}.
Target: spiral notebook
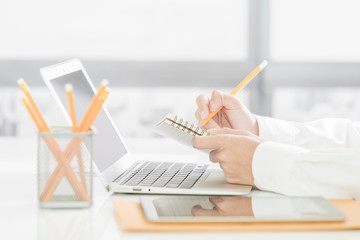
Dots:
{"x": 179, "y": 129}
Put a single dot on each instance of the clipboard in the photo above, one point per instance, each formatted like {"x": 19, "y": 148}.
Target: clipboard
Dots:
{"x": 131, "y": 218}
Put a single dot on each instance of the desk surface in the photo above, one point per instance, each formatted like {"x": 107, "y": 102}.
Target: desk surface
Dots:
{"x": 21, "y": 218}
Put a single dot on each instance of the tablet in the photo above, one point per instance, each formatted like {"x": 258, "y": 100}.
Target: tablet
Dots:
{"x": 239, "y": 209}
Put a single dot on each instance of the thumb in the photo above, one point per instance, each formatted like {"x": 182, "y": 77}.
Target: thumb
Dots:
{"x": 227, "y": 100}
{"x": 198, "y": 211}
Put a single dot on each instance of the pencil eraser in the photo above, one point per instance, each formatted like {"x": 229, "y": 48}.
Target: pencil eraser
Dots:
{"x": 68, "y": 87}
{"x": 263, "y": 64}
{"x": 104, "y": 82}
{"x": 20, "y": 81}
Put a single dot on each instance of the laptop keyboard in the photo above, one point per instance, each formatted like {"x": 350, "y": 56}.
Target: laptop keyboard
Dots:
{"x": 164, "y": 174}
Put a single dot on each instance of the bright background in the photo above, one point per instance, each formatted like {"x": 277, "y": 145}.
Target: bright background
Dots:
{"x": 160, "y": 54}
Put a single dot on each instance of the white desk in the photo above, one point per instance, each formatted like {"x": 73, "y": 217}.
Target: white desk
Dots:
{"x": 21, "y": 218}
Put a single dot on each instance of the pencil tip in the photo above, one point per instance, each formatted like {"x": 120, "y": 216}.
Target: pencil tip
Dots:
{"x": 105, "y": 82}
{"x": 68, "y": 87}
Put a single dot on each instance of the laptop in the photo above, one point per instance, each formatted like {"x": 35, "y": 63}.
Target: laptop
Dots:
{"x": 118, "y": 170}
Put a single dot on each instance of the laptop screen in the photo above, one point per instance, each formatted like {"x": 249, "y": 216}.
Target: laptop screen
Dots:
{"x": 107, "y": 145}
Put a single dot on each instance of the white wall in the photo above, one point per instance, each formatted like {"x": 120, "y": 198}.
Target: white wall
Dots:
{"x": 124, "y": 29}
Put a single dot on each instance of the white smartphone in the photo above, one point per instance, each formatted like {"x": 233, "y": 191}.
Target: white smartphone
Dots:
{"x": 239, "y": 209}
{"x": 108, "y": 145}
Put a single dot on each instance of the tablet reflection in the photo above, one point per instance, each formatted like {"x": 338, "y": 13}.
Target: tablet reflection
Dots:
{"x": 225, "y": 206}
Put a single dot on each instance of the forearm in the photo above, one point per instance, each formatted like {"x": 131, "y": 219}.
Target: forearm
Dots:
{"x": 323, "y": 133}
{"x": 298, "y": 171}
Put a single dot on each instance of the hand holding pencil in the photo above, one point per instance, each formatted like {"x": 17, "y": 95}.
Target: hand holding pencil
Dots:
{"x": 224, "y": 110}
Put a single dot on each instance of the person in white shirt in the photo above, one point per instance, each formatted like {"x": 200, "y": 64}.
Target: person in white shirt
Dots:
{"x": 319, "y": 158}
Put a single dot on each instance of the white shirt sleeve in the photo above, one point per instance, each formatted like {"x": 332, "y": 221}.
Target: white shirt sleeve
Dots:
{"x": 323, "y": 133}
{"x": 297, "y": 171}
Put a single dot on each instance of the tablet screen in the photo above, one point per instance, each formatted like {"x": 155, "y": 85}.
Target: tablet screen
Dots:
{"x": 107, "y": 145}
{"x": 234, "y": 208}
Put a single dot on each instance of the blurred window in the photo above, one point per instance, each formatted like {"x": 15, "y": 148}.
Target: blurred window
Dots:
{"x": 307, "y": 104}
{"x": 315, "y": 31}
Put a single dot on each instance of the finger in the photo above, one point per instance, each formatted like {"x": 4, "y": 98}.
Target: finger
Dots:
{"x": 221, "y": 165}
{"x": 218, "y": 131}
{"x": 197, "y": 210}
{"x": 216, "y": 100}
{"x": 203, "y": 101}
{"x": 219, "y": 99}
{"x": 215, "y": 200}
{"x": 212, "y": 156}
{"x": 232, "y": 180}
{"x": 197, "y": 115}
{"x": 208, "y": 142}
{"x": 228, "y": 170}
{"x": 210, "y": 124}
{"x": 220, "y": 202}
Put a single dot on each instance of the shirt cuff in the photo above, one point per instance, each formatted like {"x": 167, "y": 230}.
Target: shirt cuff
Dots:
{"x": 275, "y": 130}
{"x": 272, "y": 165}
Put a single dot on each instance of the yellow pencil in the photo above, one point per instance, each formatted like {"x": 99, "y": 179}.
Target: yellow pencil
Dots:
{"x": 95, "y": 111}
{"x": 102, "y": 87}
{"x": 69, "y": 93}
{"x": 31, "y": 113}
{"x": 33, "y": 105}
{"x": 51, "y": 142}
{"x": 241, "y": 85}
{"x": 59, "y": 171}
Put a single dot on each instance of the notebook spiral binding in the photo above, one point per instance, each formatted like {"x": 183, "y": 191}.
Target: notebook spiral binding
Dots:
{"x": 187, "y": 127}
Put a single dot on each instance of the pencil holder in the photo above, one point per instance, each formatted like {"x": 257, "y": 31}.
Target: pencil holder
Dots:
{"x": 64, "y": 165}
